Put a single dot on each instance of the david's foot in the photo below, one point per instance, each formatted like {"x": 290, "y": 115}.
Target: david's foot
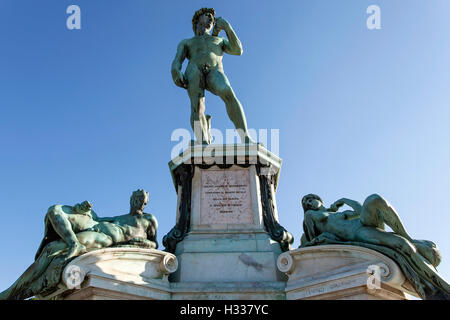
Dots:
{"x": 76, "y": 250}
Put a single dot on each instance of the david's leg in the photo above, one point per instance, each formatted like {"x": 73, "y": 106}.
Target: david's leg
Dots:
{"x": 196, "y": 94}
{"x": 219, "y": 85}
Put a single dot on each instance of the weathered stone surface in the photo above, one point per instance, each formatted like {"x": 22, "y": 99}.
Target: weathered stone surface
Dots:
{"x": 118, "y": 273}
{"x": 323, "y": 272}
{"x": 228, "y": 257}
{"x": 227, "y": 240}
{"x": 259, "y": 290}
{"x": 225, "y": 197}
{"x": 342, "y": 272}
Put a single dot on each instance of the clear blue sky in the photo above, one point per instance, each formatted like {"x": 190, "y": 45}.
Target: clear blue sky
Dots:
{"x": 88, "y": 114}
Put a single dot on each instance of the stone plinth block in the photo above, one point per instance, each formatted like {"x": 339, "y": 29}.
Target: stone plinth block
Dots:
{"x": 118, "y": 273}
{"x": 334, "y": 272}
{"x": 227, "y": 227}
{"x": 228, "y": 290}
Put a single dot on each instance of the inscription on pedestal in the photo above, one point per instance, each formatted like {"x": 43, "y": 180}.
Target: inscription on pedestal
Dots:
{"x": 225, "y": 197}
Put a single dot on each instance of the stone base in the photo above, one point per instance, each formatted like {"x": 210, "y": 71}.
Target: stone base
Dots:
{"x": 332, "y": 272}
{"x": 118, "y": 274}
{"x": 102, "y": 288}
{"x": 335, "y": 272}
{"x": 228, "y": 257}
{"x": 227, "y": 227}
{"x": 261, "y": 290}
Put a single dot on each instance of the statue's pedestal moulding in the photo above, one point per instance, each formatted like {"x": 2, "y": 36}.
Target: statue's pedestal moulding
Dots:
{"x": 227, "y": 228}
{"x": 118, "y": 274}
{"x": 333, "y": 272}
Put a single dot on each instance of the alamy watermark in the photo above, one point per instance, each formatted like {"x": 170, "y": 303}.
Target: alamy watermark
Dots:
{"x": 231, "y": 147}
{"x": 374, "y": 20}
{"x": 73, "y": 22}
{"x": 374, "y": 279}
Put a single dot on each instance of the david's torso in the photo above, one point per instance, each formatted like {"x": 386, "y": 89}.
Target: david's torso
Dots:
{"x": 205, "y": 52}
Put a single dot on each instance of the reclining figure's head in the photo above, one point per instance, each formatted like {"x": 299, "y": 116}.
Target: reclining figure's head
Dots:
{"x": 311, "y": 202}
{"x": 138, "y": 200}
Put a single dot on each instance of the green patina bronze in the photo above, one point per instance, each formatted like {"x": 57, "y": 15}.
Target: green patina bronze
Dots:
{"x": 73, "y": 230}
{"x": 364, "y": 226}
{"x": 205, "y": 71}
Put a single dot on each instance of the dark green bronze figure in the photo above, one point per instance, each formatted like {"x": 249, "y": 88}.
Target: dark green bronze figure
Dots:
{"x": 364, "y": 226}
{"x": 205, "y": 71}
{"x": 71, "y": 231}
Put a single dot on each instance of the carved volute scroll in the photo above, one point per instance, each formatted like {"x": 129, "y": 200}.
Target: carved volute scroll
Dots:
{"x": 273, "y": 227}
{"x": 183, "y": 174}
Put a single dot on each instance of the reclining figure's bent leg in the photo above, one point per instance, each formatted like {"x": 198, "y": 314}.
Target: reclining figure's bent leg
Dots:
{"x": 63, "y": 228}
{"x": 376, "y": 211}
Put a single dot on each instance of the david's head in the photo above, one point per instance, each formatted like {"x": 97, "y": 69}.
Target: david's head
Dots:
{"x": 138, "y": 201}
{"x": 311, "y": 202}
{"x": 203, "y": 19}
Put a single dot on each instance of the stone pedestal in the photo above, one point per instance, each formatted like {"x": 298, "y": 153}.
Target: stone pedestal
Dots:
{"x": 227, "y": 243}
{"x": 331, "y": 272}
{"x": 335, "y": 272}
{"x": 118, "y": 274}
{"x": 227, "y": 228}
